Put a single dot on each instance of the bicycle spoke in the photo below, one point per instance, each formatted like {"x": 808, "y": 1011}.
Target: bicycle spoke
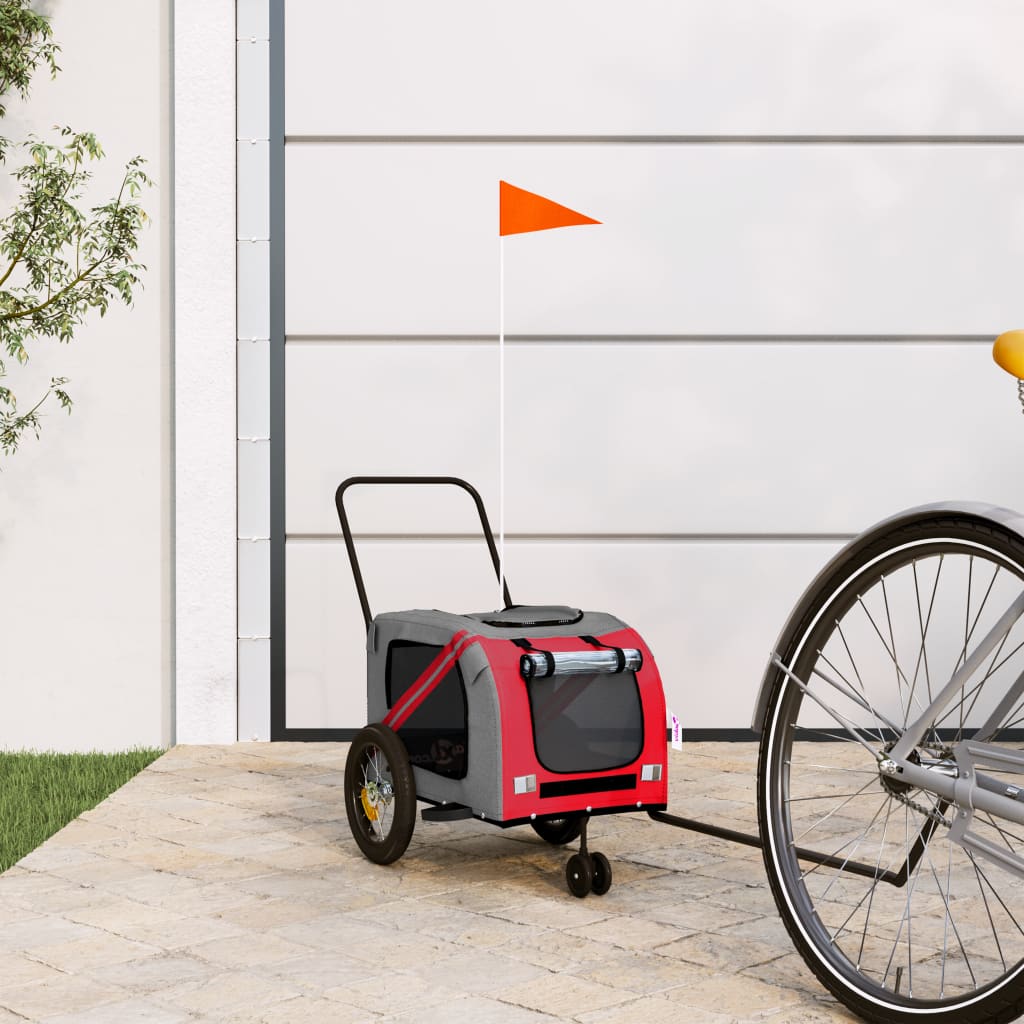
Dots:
{"x": 874, "y": 886}
{"x": 892, "y": 641}
{"x": 861, "y": 702}
{"x": 1004, "y": 834}
{"x": 847, "y": 725}
{"x": 822, "y": 796}
{"x": 975, "y": 691}
{"x": 977, "y": 618}
{"x": 836, "y": 768}
{"x": 864, "y": 703}
{"x": 922, "y": 653}
{"x": 856, "y": 845}
{"x": 949, "y": 917}
{"x": 835, "y": 810}
{"x": 992, "y": 889}
{"x": 892, "y": 656}
{"x": 842, "y": 636}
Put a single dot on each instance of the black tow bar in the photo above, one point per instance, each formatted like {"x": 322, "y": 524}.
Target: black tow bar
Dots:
{"x": 855, "y": 867}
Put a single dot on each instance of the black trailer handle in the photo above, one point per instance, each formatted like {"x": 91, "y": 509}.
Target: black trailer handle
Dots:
{"x": 339, "y": 501}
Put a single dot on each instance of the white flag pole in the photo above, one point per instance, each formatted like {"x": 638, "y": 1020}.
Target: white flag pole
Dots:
{"x": 501, "y": 421}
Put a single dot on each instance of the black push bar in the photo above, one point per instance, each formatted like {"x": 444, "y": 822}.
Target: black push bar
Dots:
{"x": 339, "y": 501}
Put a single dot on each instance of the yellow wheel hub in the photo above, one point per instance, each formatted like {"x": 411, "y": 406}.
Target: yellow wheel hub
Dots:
{"x": 369, "y": 808}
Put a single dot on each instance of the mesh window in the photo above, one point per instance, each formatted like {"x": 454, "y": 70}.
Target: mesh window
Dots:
{"x": 435, "y": 733}
{"x": 586, "y": 723}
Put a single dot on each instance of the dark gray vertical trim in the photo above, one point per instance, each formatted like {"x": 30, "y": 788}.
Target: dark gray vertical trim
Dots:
{"x": 277, "y": 370}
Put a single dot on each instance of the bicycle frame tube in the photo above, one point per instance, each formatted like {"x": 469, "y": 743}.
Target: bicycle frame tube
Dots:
{"x": 915, "y": 732}
{"x": 1002, "y": 709}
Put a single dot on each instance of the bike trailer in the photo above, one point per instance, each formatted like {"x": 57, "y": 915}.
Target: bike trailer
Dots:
{"x": 525, "y": 715}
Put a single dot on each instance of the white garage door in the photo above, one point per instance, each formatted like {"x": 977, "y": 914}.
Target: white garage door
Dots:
{"x": 812, "y": 227}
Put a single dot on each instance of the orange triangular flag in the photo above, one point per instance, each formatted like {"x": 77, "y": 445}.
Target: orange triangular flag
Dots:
{"x": 525, "y": 211}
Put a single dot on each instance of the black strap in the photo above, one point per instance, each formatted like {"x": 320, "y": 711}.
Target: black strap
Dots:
{"x": 620, "y": 657}
{"x": 525, "y": 665}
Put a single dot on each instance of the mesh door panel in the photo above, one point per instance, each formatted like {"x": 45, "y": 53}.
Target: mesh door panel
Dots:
{"x": 586, "y": 723}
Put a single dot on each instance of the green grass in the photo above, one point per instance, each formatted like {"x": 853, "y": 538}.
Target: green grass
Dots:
{"x": 41, "y": 793}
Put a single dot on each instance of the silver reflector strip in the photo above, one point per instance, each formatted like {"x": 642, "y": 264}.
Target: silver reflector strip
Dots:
{"x": 577, "y": 663}
{"x": 524, "y": 784}
{"x": 650, "y": 773}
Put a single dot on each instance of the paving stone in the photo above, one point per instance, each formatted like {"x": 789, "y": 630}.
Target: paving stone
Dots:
{"x": 788, "y": 972}
{"x": 737, "y": 997}
{"x": 539, "y": 913}
{"x": 54, "y": 854}
{"x": 61, "y": 902}
{"x": 155, "y": 974}
{"x": 263, "y": 912}
{"x": 316, "y": 973}
{"x": 713, "y": 951}
{"x": 61, "y": 994}
{"x": 561, "y": 995}
{"x": 17, "y": 969}
{"x": 480, "y": 898}
{"x": 248, "y": 950}
{"x": 476, "y": 1009}
{"x": 42, "y": 931}
{"x": 173, "y": 931}
{"x": 643, "y": 973}
{"x": 812, "y": 1014}
{"x": 229, "y": 992}
{"x": 308, "y": 1010}
{"x": 476, "y": 971}
{"x": 559, "y": 951}
{"x": 80, "y": 955}
{"x": 652, "y": 1010}
{"x": 629, "y": 933}
{"x": 130, "y": 1011}
{"x": 402, "y": 991}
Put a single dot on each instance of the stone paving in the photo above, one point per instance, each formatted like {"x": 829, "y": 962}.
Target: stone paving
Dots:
{"x": 222, "y": 884}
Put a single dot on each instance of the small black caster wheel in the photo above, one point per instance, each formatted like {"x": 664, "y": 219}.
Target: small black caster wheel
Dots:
{"x": 602, "y": 874}
{"x": 579, "y": 875}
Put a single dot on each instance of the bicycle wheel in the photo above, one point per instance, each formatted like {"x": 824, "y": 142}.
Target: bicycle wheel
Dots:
{"x": 380, "y": 794}
{"x": 905, "y": 923}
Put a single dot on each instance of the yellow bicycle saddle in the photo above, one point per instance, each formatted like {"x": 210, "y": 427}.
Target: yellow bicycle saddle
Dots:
{"x": 1008, "y": 352}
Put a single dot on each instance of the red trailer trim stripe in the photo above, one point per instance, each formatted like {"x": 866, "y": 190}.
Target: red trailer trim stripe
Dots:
{"x": 428, "y": 680}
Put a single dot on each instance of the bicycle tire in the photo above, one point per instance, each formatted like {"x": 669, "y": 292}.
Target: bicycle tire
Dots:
{"x": 828, "y": 910}
{"x": 380, "y": 794}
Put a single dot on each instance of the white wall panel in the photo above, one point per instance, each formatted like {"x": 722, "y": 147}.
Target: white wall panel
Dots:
{"x": 86, "y": 512}
{"x": 651, "y": 438}
{"x": 653, "y": 66}
{"x": 709, "y": 629}
{"x": 696, "y": 239}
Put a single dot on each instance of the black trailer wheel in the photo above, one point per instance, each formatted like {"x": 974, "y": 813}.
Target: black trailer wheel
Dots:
{"x": 380, "y": 794}
{"x": 602, "y": 874}
{"x": 558, "y": 831}
{"x": 579, "y": 875}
